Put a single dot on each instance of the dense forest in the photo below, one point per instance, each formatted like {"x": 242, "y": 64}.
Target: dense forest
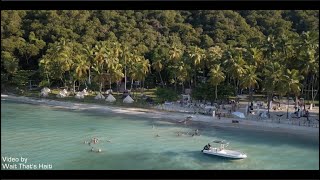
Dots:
{"x": 216, "y": 53}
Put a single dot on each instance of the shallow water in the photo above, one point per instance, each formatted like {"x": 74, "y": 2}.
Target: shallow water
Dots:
{"x": 49, "y": 135}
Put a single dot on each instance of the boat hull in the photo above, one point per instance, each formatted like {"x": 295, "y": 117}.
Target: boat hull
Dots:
{"x": 225, "y": 153}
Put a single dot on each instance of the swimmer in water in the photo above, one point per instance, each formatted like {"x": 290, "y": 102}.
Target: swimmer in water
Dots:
{"x": 157, "y": 135}
{"x": 99, "y": 150}
{"x": 92, "y": 149}
{"x": 196, "y": 132}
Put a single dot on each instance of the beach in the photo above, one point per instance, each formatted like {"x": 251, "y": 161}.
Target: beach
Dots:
{"x": 178, "y": 117}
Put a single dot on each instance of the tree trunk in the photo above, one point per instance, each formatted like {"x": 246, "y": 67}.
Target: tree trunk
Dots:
{"x": 312, "y": 82}
{"x": 216, "y": 92}
{"x": 89, "y": 77}
{"x": 251, "y": 94}
{"x": 125, "y": 78}
{"x": 308, "y": 92}
{"x": 175, "y": 82}
{"x": 100, "y": 87}
{"x": 238, "y": 88}
{"x": 48, "y": 80}
{"x": 161, "y": 80}
{"x": 235, "y": 87}
{"x": 182, "y": 85}
{"x": 314, "y": 95}
{"x": 110, "y": 83}
{"x": 288, "y": 107}
{"x": 74, "y": 87}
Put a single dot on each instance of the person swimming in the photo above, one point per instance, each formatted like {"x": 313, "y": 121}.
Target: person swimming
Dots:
{"x": 196, "y": 132}
{"x": 95, "y": 140}
{"x": 157, "y": 135}
{"x": 92, "y": 149}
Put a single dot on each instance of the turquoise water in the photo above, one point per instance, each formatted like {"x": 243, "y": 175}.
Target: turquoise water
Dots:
{"x": 49, "y": 135}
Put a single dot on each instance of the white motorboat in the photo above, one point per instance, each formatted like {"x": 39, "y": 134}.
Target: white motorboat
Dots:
{"x": 221, "y": 151}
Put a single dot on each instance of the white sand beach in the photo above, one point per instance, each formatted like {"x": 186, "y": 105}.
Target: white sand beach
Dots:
{"x": 176, "y": 116}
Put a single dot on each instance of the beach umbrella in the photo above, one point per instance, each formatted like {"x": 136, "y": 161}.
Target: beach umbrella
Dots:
{"x": 99, "y": 96}
{"x": 128, "y": 99}
{"x": 110, "y": 98}
{"x": 79, "y": 95}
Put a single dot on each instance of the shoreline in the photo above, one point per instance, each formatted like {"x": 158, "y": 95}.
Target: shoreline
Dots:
{"x": 198, "y": 120}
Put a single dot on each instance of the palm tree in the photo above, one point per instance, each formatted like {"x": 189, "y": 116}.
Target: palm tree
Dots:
{"x": 290, "y": 83}
{"x": 89, "y": 54}
{"x": 216, "y": 77}
{"x": 197, "y": 56}
{"x": 272, "y": 81}
{"x": 175, "y": 54}
{"x": 250, "y": 79}
{"x": 141, "y": 69}
{"x": 308, "y": 54}
{"x": 157, "y": 65}
{"x": 235, "y": 63}
{"x": 82, "y": 67}
{"x": 126, "y": 57}
{"x": 213, "y": 55}
{"x": 100, "y": 56}
{"x": 269, "y": 47}
{"x": 159, "y": 57}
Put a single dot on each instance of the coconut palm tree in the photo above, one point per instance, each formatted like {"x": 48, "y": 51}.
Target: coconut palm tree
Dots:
{"x": 82, "y": 67}
{"x": 250, "y": 79}
{"x": 89, "y": 55}
{"x": 233, "y": 59}
{"x": 197, "y": 56}
{"x": 216, "y": 77}
{"x": 159, "y": 57}
{"x": 99, "y": 65}
{"x": 175, "y": 54}
{"x": 141, "y": 68}
{"x": 290, "y": 83}
{"x": 308, "y": 55}
{"x": 157, "y": 65}
{"x": 272, "y": 74}
{"x": 126, "y": 58}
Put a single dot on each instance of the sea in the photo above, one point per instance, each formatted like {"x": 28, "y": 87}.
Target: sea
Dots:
{"x": 48, "y": 137}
